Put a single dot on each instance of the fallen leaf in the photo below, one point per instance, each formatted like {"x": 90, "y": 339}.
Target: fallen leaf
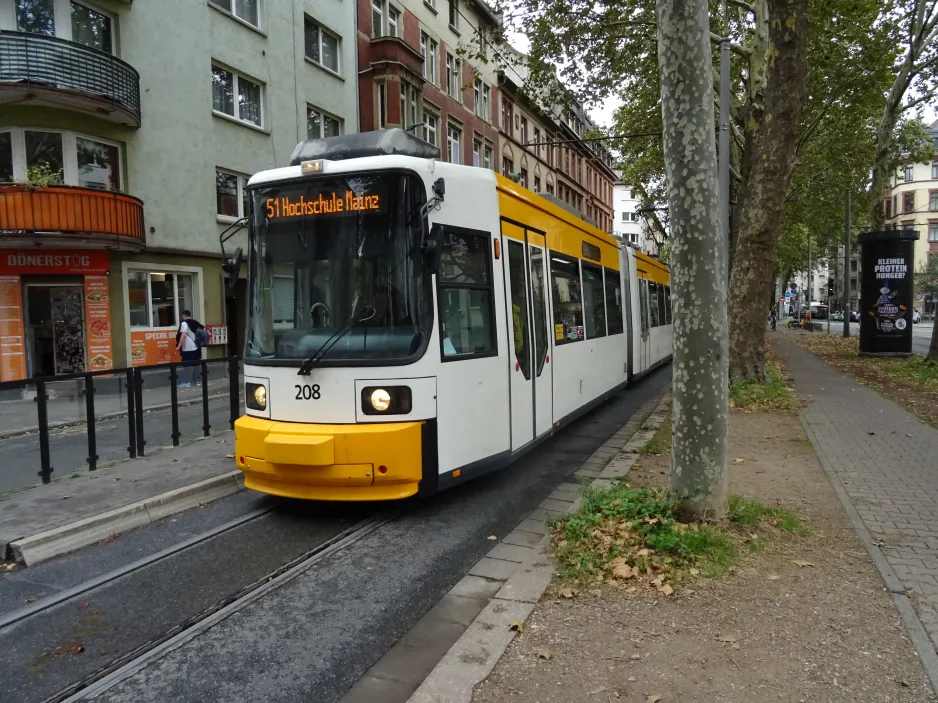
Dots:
{"x": 492, "y": 537}
{"x": 738, "y": 461}
{"x": 621, "y": 570}
{"x": 801, "y": 562}
{"x": 773, "y": 577}
{"x": 653, "y": 698}
{"x": 602, "y": 689}
{"x": 666, "y": 590}
{"x": 694, "y": 572}
{"x": 727, "y": 638}
{"x": 31, "y": 599}
{"x": 566, "y": 592}
{"x": 635, "y": 657}
{"x": 544, "y": 654}
{"x": 76, "y": 649}
{"x": 516, "y": 625}
{"x": 646, "y": 552}
{"x": 632, "y": 679}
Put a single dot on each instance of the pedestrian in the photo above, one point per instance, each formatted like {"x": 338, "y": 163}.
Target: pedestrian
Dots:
{"x": 188, "y": 350}
{"x": 774, "y": 319}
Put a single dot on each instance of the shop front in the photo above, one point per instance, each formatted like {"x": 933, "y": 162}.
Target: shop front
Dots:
{"x": 55, "y": 312}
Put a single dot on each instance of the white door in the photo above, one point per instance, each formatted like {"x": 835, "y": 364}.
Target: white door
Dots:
{"x": 644, "y": 342}
{"x": 543, "y": 391}
{"x": 521, "y": 371}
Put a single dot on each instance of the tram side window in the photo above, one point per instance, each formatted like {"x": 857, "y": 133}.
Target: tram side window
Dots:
{"x": 594, "y": 303}
{"x": 653, "y": 303}
{"x": 467, "y": 314}
{"x": 568, "y": 299}
{"x": 667, "y": 305}
{"x": 614, "y": 302}
{"x": 662, "y": 307}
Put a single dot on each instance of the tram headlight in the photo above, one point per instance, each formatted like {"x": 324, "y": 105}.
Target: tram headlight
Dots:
{"x": 255, "y": 395}
{"x": 386, "y": 400}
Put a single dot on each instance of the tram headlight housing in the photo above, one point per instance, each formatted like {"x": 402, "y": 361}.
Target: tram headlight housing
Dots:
{"x": 386, "y": 400}
{"x": 255, "y": 396}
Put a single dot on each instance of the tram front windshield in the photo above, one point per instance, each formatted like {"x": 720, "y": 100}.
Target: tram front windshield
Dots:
{"x": 336, "y": 269}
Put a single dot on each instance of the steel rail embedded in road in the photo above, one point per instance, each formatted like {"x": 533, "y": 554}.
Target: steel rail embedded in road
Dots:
{"x": 134, "y": 661}
{"x": 68, "y": 594}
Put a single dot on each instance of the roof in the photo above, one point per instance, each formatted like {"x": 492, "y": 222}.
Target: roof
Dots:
{"x": 384, "y": 142}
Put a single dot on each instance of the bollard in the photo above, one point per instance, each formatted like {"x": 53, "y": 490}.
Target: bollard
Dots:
{"x": 46, "y": 469}
{"x": 89, "y": 422}
{"x": 131, "y": 416}
{"x": 206, "y": 426}
{"x": 138, "y": 410}
{"x": 173, "y": 406}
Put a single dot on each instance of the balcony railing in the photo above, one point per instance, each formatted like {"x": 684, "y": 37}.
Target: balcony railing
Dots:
{"x": 40, "y": 62}
{"x": 71, "y": 211}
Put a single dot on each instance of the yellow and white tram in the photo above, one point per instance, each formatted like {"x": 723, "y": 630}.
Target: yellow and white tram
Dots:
{"x": 414, "y": 323}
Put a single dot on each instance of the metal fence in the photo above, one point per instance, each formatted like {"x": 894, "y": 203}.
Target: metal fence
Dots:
{"x": 132, "y": 383}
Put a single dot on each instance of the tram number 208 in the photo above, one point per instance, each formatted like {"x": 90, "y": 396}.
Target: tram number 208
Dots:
{"x": 307, "y": 392}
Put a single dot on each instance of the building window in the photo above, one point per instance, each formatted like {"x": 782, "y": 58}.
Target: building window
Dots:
{"x": 477, "y": 152}
{"x": 36, "y": 16}
{"x": 934, "y": 170}
{"x": 550, "y": 188}
{"x": 321, "y": 124}
{"x": 933, "y": 231}
{"x": 382, "y": 106}
{"x": 908, "y": 172}
{"x": 431, "y": 129}
{"x": 322, "y": 47}
{"x": 453, "y": 143}
{"x": 156, "y": 299}
{"x": 467, "y": 309}
{"x": 481, "y": 94}
{"x": 594, "y": 301}
{"x": 933, "y": 201}
{"x": 524, "y": 178}
{"x": 453, "y": 70}
{"x": 248, "y": 105}
{"x": 410, "y": 112}
{"x": 507, "y": 115}
{"x": 91, "y": 28}
{"x": 508, "y": 167}
{"x": 430, "y": 50}
{"x": 888, "y": 207}
{"x": 78, "y": 160}
{"x": 245, "y": 10}
{"x": 394, "y": 22}
{"x": 537, "y": 141}
{"x": 908, "y": 202}
{"x": 524, "y": 131}
{"x": 231, "y": 199}
{"x": 537, "y": 184}
{"x": 454, "y": 14}
{"x": 487, "y": 156}
{"x": 614, "y": 302}
{"x": 377, "y": 18}
{"x": 568, "y": 301}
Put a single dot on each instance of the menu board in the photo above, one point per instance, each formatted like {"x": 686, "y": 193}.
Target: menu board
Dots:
{"x": 153, "y": 347}
{"x": 12, "y": 345}
{"x": 98, "y": 323}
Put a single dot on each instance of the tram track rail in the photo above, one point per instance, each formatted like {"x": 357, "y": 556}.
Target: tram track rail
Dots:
{"x": 129, "y": 663}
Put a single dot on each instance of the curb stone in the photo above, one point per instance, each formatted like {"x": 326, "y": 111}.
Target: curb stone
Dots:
{"x": 82, "y": 533}
{"x": 924, "y": 648}
{"x": 474, "y": 655}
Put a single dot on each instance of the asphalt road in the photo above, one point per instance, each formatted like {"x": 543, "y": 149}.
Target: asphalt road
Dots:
{"x": 315, "y": 636}
{"x": 68, "y": 446}
{"x": 921, "y": 333}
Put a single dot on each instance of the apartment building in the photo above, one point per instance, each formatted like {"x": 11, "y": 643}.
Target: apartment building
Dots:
{"x": 418, "y": 68}
{"x": 628, "y": 227}
{"x": 911, "y": 202}
{"x": 543, "y": 146}
{"x": 127, "y": 133}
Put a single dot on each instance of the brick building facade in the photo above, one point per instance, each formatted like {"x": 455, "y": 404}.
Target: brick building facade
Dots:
{"x": 412, "y": 72}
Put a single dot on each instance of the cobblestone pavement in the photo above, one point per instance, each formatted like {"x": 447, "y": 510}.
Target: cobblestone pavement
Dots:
{"x": 887, "y": 463}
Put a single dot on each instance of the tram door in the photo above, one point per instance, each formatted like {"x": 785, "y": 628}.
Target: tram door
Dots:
{"x": 529, "y": 373}
{"x": 644, "y": 342}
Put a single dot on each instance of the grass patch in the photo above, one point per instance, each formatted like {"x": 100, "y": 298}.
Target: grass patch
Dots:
{"x": 773, "y": 395}
{"x": 628, "y": 534}
{"x": 660, "y": 443}
{"x": 803, "y": 442}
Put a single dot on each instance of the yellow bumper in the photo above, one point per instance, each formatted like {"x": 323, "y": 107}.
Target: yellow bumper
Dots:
{"x": 329, "y": 462}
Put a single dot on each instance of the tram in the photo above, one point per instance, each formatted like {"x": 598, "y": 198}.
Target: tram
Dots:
{"x": 413, "y": 324}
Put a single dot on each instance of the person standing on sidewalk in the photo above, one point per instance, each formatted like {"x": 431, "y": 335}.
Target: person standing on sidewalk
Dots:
{"x": 188, "y": 350}
{"x": 774, "y": 319}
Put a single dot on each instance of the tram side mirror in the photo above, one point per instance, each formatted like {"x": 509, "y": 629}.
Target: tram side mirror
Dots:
{"x": 431, "y": 248}
{"x": 232, "y": 266}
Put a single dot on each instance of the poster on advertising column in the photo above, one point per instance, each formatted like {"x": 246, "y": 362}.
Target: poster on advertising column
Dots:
{"x": 98, "y": 323}
{"x": 153, "y": 347}
{"x": 12, "y": 343}
{"x": 886, "y": 295}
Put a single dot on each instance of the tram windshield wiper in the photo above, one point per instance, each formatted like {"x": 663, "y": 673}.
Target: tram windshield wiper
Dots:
{"x": 317, "y": 356}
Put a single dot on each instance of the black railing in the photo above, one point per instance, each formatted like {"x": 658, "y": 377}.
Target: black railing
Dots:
{"x": 134, "y": 382}
{"x": 58, "y": 63}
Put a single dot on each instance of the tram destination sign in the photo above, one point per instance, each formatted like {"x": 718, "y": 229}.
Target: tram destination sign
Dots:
{"x": 324, "y": 204}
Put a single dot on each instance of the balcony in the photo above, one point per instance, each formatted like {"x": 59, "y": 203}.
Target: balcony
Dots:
{"x": 70, "y": 215}
{"x": 387, "y": 52}
{"x": 47, "y": 71}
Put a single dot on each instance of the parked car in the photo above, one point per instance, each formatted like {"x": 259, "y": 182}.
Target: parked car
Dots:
{"x": 916, "y": 315}
{"x": 854, "y": 316}
{"x": 837, "y": 316}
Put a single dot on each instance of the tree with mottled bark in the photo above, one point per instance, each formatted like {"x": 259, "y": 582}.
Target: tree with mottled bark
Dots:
{"x": 698, "y": 261}
{"x": 915, "y": 29}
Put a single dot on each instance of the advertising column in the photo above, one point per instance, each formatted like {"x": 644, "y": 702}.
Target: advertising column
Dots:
{"x": 886, "y": 263}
